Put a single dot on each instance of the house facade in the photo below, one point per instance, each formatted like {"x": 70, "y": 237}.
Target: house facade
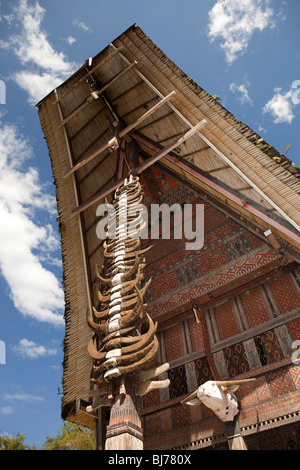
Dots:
{"x": 122, "y": 108}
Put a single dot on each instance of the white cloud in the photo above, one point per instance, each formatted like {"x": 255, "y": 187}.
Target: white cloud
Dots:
{"x": 32, "y": 45}
{"x": 20, "y": 396}
{"x": 280, "y": 106}
{"x": 71, "y": 40}
{"x": 235, "y": 21}
{"x": 242, "y": 90}
{"x": 45, "y": 67}
{"x": 82, "y": 25}
{"x": 6, "y": 410}
{"x": 35, "y": 291}
{"x": 30, "y": 349}
{"x": 8, "y": 18}
{"x": 261, "y": 129}
{"x": 37, "y": 85}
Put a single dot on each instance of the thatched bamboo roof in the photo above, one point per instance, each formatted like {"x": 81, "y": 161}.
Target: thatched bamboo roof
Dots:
{"x": 225, "y": 159}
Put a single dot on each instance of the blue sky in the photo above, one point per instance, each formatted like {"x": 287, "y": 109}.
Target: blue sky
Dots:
{"x": 245, "y": 51}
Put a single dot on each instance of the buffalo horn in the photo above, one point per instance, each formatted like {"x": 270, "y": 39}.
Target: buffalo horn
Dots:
{"x": 228, "y": 383}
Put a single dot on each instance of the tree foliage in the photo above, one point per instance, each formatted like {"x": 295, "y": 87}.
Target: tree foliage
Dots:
{"x": 14, "y": 443}
{"x": 71, "y": 436}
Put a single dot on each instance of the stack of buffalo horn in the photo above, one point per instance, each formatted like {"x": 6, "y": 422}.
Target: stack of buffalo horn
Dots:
{"x": 118, "y": 347}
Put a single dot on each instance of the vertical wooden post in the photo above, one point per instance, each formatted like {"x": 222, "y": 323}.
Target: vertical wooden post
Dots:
{"x": 234, "y": 437}
{"x": 101, "y": 428}
{"x": 124, "y": 431}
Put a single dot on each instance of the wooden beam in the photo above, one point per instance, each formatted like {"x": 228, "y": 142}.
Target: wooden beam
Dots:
{"x": 234, "y": 437}
{"x": 106, "y": 59}
{"x": 147, "y": 114}
{"x": 140, "y": 168}
{"x": 170, "y": 147}
{"x": 198, "y": 312}
{"x": 272, "y": 239}
{"x": 119, "y": 75}
{"x": 77, "y": 110}
{"x": 125, "y": 131}
{"x": 84, "y": 253}
{"x": 101, "y": 429}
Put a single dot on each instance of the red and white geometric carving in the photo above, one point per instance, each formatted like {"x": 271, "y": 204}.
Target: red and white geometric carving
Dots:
{"x": 295, "y": 373}
{"x": 263, "y": 390}
{"x": 229, "y": 273}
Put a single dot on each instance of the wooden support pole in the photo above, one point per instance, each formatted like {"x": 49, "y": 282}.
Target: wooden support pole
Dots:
{"x": 120, "y": 161}
{"x": 119, "y": 75}
{"x": 139, "y": 169}
{"x": 171, "y": 147}
{"x": 101, "y": 429}
{"x": 233, "y": 433}
{"x": 124, "y": 431}
{"x": 88, "y": 292}
{"x": 147, "y": 114}
{"x": 200, "y": 315}
{"x": 125, "y": 131}
{"x": 89, "y": 100}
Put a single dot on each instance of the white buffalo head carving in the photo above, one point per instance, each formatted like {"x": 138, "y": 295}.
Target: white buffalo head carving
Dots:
{"x": 218, "y": 396}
